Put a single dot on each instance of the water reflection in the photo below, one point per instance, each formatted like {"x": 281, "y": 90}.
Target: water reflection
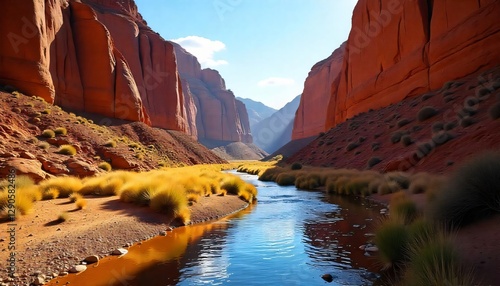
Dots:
{"x": 290, "y": 237}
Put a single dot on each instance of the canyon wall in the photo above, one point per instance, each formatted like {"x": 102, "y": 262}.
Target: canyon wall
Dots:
{"x": 220, "y": 116}
{"x": 402, "y": 48}
{"x": 99, "y": 56}
{"x": 311, "y": 114}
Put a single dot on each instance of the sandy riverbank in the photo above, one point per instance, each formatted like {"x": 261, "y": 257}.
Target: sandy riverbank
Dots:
{"x": 43, "y": 245}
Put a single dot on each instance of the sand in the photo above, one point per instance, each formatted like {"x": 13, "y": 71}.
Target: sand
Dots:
{"x": 46, "y": 246}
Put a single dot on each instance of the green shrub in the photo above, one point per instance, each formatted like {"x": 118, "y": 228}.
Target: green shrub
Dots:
{"x": 472, "y": 192}
{"x": 46, "y": 111}
{"x": 403, "y": 209}
{"x": 373, "y": 161}
{"x": 63, "y": 217}
{"x": 400, "y": 178}
{"x": 48, "y": 133}
{"x": 426, "y": 113}
{"x": 391, "y": 239}
{"x": 296, "y": 166}
{"x": 494, "y": 111}
{"x": 67, "y": 150}
{"x": 435, "y": 261}
{"x": 60, "y": 131}
{"x": 388, "y": 187}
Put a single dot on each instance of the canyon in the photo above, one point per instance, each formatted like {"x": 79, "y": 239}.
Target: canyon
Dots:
{"x": 100, "y": 57}
{"x": 398, "y": 49}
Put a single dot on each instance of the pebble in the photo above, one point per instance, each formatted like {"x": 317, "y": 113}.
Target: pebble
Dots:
{"x": 92, "y": 259}
{"x": 119, "y": 251}
{"x": 327, "y": 277}
{"x": 78, "y": 268}
{"x": 163, "y": 233}
{"x": 39, "y": 281}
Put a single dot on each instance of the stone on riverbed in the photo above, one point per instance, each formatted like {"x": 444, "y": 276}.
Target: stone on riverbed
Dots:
{"x": 119, "y": 251}
{"x": 327, "y": 277}
{"x": 92, "y": 259}
{"x": 77, "y": 269}
{"x": 371, "y": 249}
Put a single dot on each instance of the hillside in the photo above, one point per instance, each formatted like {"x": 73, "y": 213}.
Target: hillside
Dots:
{"x": 432, "y": 132}
{"x": 257, "y": 111}
{"x": 276, "y": 130}
{"x": 96, "y": 139}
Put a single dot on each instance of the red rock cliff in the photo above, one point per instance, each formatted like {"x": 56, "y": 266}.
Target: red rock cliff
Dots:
{"x": 402, "y": 48}
{"x": 310, "y": 117}
{"x": 220, "y": 116}
{"x": 97, "y": 56}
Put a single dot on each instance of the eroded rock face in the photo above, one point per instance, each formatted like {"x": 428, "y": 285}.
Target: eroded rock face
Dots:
{"x": 97, "y": 56}
{"x": 219, "y": 115}
{"x": 402, "y": 48}
{"x": 310, "y": 117}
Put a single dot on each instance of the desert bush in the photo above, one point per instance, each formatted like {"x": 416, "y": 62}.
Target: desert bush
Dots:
{"x": 74, "y": 197}
{"x": 351, "y": 146}
{"x": 406, "y": 140}
{"x": 403, "y": 122}
{"x": 285, "y": 179}
{"x": 133, "y": 145}
{"x": 65, "y": 185}
{"x": 427, "y": 96}
{"x": 447, "y": 85}
{"x": 483, "y": 92}
{"x": 426, "y": 113}
{"x": 435, "y": 261}
{"x": 467, "y": 121}
{"x": 64, "y": 216}
{"x": 61, "y": 131}
{"x": 67, "y": 149}
{"x": 450, "y": 125}
{"x": 388, "y": 187}
{"x": 81, "y": 203}
{"x": 401, "y": 178}
{"x": 48, "y": 133}
{"x": 391, "y": 238}
{"x": 296, "y": 166}
{"x": 269, "y": 175}
{"x": 403, "y": 208}
{"x": 32, "y": 140}
{"x": 170, "y": 200}
{"x": 375, "y": 146}
{"x": 471, "y": 193}
{"x": 105, "y": 166}
{"x": 396, "y": 136}
{"x": 437, "y": 126}
{"x": 494, "y": 111}
{"x": 50, "y": 194}
{"x": 373, "y": 161}
{"x": 442, "y": 137}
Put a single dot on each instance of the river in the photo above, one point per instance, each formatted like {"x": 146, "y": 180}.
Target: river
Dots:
{"x": 289, "y": 237}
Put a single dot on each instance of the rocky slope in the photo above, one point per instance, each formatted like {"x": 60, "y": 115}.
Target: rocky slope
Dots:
{"x": 432, "y": 132}
{"x": 124, "y": 145}
{"x": 276, "y": 130}
{"x": 257, "y": 111}
{"x": 99, "y": 56}
{"x": 220, "y": 116}
{"x": 401, "y": 49}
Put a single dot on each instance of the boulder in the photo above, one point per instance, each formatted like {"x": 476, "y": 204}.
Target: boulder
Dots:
{"x": 91, "y": 259}
{"x": 77, "y": 269}
{"x": 119, "y": 251}
{"x": 32, "y": 168}
{"x": 80, "y": 168}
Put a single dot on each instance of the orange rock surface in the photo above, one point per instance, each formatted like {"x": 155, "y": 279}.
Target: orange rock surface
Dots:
{"x": 220, "y": 116}
{"x": 403, "y": 48}
{"x": 310, "y": 117}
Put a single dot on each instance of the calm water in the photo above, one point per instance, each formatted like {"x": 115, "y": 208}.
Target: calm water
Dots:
{"x": 289, "y": 237}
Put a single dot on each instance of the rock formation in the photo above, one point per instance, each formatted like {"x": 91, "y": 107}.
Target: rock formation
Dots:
{"x": 220, "y": 116}
{"x": 402, "y": 48}
{"x": 310, "y": 117}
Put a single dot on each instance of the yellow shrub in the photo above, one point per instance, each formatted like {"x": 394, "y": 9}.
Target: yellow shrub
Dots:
{"x": 81, "y": 203}
{"x": 65, "y": 185}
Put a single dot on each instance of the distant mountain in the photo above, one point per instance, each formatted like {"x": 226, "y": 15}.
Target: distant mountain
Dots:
{"x": 257, "y": 111}
{"x": 275, "y": 131}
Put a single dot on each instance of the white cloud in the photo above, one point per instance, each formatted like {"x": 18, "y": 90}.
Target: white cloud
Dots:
{"x": 275, "y": 81}
{"x": 203, "y": 49}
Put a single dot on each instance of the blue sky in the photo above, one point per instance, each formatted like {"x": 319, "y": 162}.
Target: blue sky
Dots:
{"x": 264, "y": 49}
